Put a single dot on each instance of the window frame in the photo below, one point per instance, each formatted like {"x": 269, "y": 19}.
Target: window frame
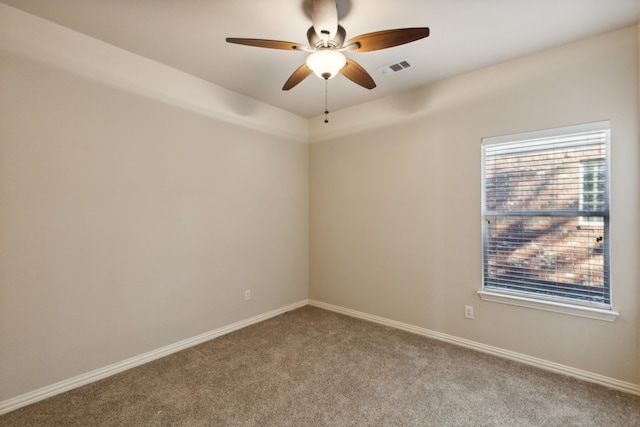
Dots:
{"x": 538, "y": 301}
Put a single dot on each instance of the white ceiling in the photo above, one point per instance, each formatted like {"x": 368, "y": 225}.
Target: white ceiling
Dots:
{"x": 189, "y": 35}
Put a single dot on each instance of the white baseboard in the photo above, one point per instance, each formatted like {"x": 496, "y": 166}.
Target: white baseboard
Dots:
{"x": 496, "y": 351}
{"x": 98, "y": 374}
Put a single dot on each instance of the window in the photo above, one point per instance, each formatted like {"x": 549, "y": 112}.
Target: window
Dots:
{"x": 546, "y": 216}
{"x": 593, "y": 188}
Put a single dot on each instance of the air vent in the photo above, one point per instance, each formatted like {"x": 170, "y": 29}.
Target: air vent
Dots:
{"x": 387, "y": 70}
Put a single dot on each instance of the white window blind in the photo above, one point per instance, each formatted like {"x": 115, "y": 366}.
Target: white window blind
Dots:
{"x": 546, "y": 215}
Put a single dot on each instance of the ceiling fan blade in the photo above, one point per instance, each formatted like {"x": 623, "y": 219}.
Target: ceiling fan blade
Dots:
{"x": 354, "y": 72}
{"x": 298, "y": 75}
{"x": 324, "y": 15}
{"x": 387, "y": 38}
{"x": 270, "y": 44}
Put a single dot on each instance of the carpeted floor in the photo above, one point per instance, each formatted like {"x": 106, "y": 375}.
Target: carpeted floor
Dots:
{"x": 312, "y": 367}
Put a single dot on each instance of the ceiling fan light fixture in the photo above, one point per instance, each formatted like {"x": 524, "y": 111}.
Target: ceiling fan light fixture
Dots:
{"x": 326, "y": 63}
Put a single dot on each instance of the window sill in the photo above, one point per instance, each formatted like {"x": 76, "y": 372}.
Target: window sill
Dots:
{"x": 556, "y": 307}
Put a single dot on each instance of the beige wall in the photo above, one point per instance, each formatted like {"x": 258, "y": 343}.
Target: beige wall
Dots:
{"x": 128, "y": 224}
{"x": 395, "y": 225}
{"x": 637, "y": 304}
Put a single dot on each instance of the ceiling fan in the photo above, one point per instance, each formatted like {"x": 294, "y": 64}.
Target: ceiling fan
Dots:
{"x": 327, "y": 42}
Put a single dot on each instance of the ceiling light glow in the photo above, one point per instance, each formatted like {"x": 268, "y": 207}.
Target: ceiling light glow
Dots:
{"x": 326, "y": 63}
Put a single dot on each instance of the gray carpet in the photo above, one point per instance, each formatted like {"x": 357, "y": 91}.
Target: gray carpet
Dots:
{"x": 312, "y": 367}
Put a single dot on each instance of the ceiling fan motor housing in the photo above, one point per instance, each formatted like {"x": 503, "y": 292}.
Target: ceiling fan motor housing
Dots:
{"x": 335, "y": 43}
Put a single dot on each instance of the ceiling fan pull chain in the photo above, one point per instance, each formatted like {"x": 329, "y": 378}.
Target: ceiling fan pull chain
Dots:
{"x": 326, "y": 100}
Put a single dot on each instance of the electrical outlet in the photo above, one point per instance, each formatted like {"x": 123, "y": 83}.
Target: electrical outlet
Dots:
{"x": 247, "y": 295}
{"x": 468, "y": 312}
